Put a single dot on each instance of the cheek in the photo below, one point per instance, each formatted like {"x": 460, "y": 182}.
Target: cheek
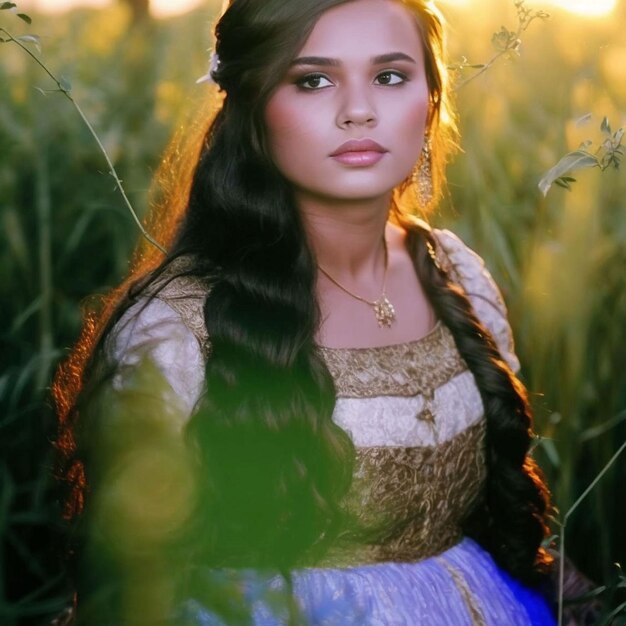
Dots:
{"x": 416, "y": 118}
{"x": 288, "y": 126}
{"x": 410, "y": 125}
{"x": 294, "y": 138}
{"x": 279, "y": 117}
{"x": 413, "y": 113}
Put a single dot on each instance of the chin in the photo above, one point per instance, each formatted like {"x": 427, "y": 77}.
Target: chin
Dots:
{"x": 347, "y": 195}
{"x": 363, "y": 191}
{"x": 362, "y": 187}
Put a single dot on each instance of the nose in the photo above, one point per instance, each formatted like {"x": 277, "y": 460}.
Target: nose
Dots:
{"x": 356, "y": 108}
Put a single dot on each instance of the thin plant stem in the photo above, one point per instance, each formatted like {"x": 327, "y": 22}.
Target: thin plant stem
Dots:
{"x": 482, "y": 70}
{"x": 584, "y": 494}
{"x": 522, "y": 26}
{"x": 595, "y": 431}
{"x": 112, "y": 170}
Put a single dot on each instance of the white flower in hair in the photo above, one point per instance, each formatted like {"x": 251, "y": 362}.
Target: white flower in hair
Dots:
{"x": 214, "y": 63}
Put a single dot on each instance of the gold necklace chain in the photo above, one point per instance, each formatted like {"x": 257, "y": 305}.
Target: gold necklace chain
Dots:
{"x": 383, "y": 309}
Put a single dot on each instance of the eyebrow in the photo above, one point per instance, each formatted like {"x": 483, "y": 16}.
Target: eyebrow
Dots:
{"x": 326, "y": 61}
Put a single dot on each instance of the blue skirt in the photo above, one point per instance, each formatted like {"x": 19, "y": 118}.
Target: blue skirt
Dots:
{"x": 462, "y": 586}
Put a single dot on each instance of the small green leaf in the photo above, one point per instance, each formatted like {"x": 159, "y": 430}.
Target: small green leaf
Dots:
{"x": 551, "y": 451}
{"x": 34, "y": 39}
{"x": 25, "y": 17}
{"x": 561, "y": 182}
{"x": 65, "y": 84}
{"x": 579, "y": 159}
{"x": 548, "y": 541}
{"x": 605, "y": 127}
{"x": 7, "y": 5}
{"x": 502, "y": 39}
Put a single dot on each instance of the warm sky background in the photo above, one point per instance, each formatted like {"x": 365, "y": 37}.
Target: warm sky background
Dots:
{"x": 165, "y": 8}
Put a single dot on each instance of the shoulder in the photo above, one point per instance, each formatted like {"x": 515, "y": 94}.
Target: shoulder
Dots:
{"x": 185, "y": 294}
{"x": 469, "y": 271}
{"x": 166, "y": 325}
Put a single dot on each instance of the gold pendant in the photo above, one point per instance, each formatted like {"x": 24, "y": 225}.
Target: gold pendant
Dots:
{"x": 426, "y": 415}
{"x": 385, "y": 313}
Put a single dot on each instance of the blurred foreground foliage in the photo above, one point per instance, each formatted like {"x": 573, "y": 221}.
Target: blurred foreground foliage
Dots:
{"x": 559, "y": 259}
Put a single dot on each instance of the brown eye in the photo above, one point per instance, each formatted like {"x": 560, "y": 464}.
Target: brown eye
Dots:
{"x": 387, "y": 78}
{"x": 312, "y": 82}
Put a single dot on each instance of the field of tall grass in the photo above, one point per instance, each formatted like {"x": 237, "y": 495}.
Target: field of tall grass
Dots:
{"x": 560, "y": 260}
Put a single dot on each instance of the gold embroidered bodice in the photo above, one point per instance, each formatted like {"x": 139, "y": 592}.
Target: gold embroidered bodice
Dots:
{"x": 417, "y": 421}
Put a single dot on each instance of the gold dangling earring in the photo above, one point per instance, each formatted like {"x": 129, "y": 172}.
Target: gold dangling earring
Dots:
{"x": 423, "y": 176}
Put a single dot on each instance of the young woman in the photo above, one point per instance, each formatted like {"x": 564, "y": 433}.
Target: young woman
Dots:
{"x": 342, "y": 374}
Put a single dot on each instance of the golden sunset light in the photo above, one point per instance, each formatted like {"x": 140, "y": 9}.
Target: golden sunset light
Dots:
{"x": 158, "y": 8}
{"x": 167, "y": 8}
{"x": 589, "y": 8}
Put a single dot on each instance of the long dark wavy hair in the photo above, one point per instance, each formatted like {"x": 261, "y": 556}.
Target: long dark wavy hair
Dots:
{"x": 266, "y": 418}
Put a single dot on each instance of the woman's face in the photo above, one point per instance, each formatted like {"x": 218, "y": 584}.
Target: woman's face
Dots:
{"x": 359, "y": 76}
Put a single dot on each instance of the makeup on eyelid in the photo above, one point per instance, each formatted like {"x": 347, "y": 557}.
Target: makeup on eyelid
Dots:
{"x": 301, "y": 80}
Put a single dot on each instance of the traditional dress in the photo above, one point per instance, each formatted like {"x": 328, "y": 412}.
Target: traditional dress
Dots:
{"x": 416, "y": 418}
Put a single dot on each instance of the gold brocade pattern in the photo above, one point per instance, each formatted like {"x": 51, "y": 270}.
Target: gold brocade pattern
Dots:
{"x": 408, "y": 503}
{"x": 186, "y": 295}
{"x": 473, "y": 608}
{"x": 405, "y": 369}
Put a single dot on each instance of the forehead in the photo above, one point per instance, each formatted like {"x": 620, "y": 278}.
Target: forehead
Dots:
{"x": 364, "y": 27}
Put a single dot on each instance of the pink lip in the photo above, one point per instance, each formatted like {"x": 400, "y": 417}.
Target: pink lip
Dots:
{"x": 360, "y": 158}
{"x": 359, "y": 145}
{"x": 359, "y": 152}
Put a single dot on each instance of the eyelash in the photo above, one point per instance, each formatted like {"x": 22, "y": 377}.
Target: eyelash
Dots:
{"x": 300, "y": 82}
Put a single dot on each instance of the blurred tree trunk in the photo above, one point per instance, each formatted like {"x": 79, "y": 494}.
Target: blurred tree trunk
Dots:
{"x": 140, "y": 10}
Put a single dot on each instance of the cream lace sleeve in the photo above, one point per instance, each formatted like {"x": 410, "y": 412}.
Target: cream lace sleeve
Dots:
{"x": 155, "y": 329}
{"x": 469, "y": 270}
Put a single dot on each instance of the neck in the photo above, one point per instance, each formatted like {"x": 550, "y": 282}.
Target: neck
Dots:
{"x": 347, "y": 237}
